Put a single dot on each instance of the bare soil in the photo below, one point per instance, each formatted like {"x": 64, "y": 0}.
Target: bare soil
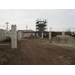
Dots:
{"x": 36, "y": 51}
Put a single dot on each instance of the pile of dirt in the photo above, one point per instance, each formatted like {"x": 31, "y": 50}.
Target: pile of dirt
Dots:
{"x": 63, "y": 39}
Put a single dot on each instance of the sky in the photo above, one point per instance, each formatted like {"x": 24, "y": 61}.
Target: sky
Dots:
{"x": 58, "y": 19}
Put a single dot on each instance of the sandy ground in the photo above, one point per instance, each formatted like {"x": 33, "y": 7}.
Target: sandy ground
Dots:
{"x": 37, "y": 52}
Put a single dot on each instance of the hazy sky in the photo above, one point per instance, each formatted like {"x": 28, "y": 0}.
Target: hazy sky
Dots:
{"x": 58, "y": 19}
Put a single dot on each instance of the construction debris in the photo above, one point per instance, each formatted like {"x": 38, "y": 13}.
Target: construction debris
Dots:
{"x": 8, "y": 39}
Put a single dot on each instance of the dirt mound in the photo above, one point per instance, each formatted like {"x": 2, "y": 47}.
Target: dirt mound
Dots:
{"x": 63, "y": 39}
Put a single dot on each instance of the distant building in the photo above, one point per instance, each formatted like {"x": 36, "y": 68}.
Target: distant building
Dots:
{"x": 27, "y": 33}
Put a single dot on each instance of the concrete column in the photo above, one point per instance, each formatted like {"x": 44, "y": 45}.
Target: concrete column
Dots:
{"x": 4, "y": 34}
{"x": 1, "y": 35}
{"x": 19, "y": 35}
{"x": 49, "y": 34}
{"x": 13, "y": 37}
{"x": 8, "y": 34}
{"x": 63, "y": 33}
{"x": 42, "y": 34}
{"x": 37, "y": 34}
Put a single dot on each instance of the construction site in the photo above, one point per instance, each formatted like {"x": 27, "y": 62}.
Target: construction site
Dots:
{"x": 40, "y": 47}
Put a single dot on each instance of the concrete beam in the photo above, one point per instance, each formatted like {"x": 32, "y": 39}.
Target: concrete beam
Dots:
{"x": 13, "y": 37}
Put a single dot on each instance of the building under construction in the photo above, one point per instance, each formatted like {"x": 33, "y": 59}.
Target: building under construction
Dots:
{"x": 41, "y": 26}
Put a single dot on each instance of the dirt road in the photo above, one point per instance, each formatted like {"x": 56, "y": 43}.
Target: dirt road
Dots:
{"x": 39, "y": 52}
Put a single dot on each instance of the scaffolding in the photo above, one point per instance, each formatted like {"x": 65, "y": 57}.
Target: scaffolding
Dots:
{"x": 41, "y": 26}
